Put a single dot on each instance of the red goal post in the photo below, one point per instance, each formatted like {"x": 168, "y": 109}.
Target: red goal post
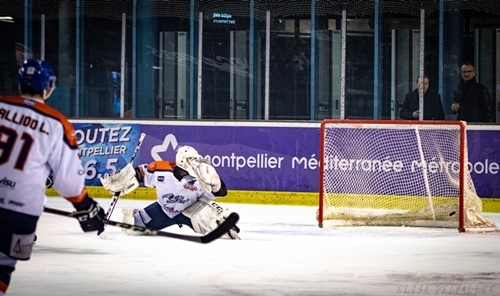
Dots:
{"x": 397, "y": 172}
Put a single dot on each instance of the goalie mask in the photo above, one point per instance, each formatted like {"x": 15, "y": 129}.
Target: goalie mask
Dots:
{"x": 187, "y": 158}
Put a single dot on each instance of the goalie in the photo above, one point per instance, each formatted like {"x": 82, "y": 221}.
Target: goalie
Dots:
{"x": 185, "y": 191}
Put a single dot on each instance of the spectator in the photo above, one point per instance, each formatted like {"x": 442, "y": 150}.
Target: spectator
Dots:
{"x": 433, "y": 107}
{"x": 472, "y": 102}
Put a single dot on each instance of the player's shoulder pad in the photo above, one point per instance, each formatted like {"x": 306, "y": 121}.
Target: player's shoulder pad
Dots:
{"x": 45, "y": 110}
{"x": 160, "y": 165}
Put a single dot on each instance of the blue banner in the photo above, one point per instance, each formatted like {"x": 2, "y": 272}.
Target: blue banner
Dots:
{"x": 105, "y": 148}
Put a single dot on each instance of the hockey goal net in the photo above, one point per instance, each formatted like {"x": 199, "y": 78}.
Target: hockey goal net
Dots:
{"x": 397, "y": 173}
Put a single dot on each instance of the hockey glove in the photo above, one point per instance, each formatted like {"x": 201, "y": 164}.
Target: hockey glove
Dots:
{"x": 49, "y": 182}
{"x": 90, "y": 215}
{"x": 208, "y": 177}
{"x": 124, "y": 181}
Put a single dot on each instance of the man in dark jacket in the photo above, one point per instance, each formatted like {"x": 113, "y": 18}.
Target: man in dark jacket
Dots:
{"x": 472, "y": 102}
{"x": 433, "y": 107}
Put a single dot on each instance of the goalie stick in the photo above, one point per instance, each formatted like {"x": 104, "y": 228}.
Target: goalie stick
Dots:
{"x": 207, "y": 238}
{"x": 116, "y": 195}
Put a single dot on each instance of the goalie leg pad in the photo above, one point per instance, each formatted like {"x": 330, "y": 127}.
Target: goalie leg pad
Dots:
{"x": 129, "y": 217}
{"x": 206, "y": 217}
{"x": 202, "y": 215}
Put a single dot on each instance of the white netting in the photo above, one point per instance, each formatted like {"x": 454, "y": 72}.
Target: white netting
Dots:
{"x": 396, "y": 173}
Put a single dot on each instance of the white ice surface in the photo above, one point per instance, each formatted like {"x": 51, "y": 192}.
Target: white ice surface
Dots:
{"x": 282, "y": 252}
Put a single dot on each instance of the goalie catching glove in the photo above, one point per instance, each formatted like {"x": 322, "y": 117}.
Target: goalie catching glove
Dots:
{"x": 124, "y": 181}
{"x": 188, "y": 159}
{"x": 208, "y": 177}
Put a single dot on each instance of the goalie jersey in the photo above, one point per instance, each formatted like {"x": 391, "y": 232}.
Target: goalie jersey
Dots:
{"x": 173, "y": 195}
{"x": 35, "y": 139}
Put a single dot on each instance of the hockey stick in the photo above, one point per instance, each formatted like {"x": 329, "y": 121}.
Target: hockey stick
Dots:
{"x": 207, "y": 238}
{"x": 116, "y": 195}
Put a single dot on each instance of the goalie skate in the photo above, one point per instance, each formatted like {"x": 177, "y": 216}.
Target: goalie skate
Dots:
{"x": 232, "y": 233}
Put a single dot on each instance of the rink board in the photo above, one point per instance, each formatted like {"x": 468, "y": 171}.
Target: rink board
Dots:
{"x": 491, "y": 205}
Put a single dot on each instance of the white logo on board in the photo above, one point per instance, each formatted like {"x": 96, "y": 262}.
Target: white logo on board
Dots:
{"x": 169, "y": 140}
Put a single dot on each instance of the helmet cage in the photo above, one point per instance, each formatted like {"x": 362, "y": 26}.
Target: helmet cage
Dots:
{"x": 187, "y": 158}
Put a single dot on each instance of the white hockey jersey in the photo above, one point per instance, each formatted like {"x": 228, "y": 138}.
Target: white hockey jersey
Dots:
{"x": 173, "y": 195}
{"x": 35, "y": 139}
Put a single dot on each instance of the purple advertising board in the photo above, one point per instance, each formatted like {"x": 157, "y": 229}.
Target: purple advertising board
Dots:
{"x": 263, "y": 158}
{"x": 282, "y": 156}
{"x": 484, "y": 159}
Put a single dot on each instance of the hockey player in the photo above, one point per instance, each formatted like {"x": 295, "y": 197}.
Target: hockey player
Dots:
{"x": 185, "y": 190}
{"x": 35, "y": 139}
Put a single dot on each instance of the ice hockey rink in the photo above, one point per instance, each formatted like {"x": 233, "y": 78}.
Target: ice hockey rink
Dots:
{"x": 282, "y": 252}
